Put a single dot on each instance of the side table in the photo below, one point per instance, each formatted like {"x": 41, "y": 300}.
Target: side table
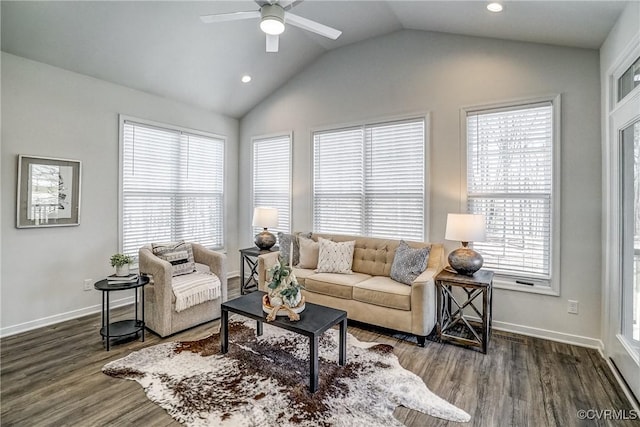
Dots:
{"x": 123, "y": 327}
{"x": 453, "y": 325}
{"x": 249, "y": 257}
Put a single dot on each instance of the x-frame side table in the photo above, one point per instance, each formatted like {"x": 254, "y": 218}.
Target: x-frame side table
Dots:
{"x": 451, "y": 308}
{"x": 249, "y": 257}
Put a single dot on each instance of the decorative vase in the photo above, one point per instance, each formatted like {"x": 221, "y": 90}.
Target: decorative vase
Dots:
{"x": 122, "y": 270}
{"x": 465, "y": 261}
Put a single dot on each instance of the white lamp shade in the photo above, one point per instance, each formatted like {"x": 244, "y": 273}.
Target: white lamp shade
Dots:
{"x": 466, "y": 228}
{"x": 265, "y": 217}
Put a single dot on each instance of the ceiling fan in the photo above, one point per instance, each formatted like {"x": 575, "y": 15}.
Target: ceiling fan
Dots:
{"x": 273, "y": 15}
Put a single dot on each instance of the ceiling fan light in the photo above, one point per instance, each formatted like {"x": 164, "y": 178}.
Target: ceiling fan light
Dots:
{"x": 272, "y": 26}
{"x": 272, "y": 21}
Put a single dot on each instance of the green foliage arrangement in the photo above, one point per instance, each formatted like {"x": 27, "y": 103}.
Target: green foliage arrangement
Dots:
{"x": 118, "y": 260}
{"x": 283, "y": 281}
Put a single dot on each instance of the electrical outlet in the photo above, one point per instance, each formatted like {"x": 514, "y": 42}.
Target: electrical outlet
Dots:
{"x": 572, "y": 307}
{"x": 88, "y": 284}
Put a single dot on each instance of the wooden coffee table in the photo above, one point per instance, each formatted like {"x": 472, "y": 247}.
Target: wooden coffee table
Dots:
{"x": 314, "y": 321}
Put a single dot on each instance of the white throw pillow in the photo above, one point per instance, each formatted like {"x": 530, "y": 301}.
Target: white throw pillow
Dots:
{"x": 335, "y": 257}
{"x": 308, "y": 253}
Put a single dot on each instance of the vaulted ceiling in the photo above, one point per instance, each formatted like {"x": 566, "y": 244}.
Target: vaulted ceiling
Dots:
{"x": 163, "y": 48}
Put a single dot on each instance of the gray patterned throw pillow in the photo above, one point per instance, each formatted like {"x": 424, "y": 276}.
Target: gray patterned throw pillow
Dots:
{"x": 284, "y": 242}
{"x": 409, "y": 263}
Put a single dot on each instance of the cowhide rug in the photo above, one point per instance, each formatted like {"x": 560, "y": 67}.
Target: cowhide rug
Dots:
{"x": 262, "y": 381}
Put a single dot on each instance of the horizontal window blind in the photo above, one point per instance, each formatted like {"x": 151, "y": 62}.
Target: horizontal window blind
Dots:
{"x": 172, "y": 187}
{"x": 272, "y": 179}
{"x": 370, "y": 180}
{"x": 510, "y": 181}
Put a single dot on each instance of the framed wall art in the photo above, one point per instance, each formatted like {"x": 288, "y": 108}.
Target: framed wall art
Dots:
{"x": 48, "y": 192}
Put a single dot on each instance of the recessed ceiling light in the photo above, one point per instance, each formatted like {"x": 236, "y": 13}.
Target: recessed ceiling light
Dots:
{"x": 494, "y": 7}
{"x": 246, "y": 78}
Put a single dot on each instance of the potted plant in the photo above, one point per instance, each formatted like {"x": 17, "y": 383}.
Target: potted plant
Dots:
{"x": 121, "y": 262}
{"x": 284, "y": 297}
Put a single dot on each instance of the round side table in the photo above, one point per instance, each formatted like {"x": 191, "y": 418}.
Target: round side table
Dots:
{"x": 123, "y": 327}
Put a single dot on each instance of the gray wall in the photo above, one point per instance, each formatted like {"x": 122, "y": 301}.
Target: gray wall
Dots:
{"x": 51, "y": 112}
{"x": 413, "y": 71}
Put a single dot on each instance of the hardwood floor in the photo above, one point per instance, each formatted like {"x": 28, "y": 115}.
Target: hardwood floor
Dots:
{"x": 51, "y": 376}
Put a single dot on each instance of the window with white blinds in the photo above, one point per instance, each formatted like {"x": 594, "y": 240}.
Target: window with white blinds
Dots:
{"x": 370, "y": 180}
{"x": 272, "y": 178}
{"x": 172, "y": 187}
{"x": 510, "y": 158}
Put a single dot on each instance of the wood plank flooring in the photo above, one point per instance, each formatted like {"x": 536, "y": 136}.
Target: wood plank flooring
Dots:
{"x": 51, "y": 377}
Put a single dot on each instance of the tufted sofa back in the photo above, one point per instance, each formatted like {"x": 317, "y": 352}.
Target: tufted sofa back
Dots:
{"x": 374, "y": 256}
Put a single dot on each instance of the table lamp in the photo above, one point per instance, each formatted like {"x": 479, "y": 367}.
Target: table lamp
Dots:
{"x": 265, "y": 218}
{"x": 465, "y": 228}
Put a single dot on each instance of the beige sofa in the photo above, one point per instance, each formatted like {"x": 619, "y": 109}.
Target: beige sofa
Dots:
{"x": 369, "y": 295}
{"x": 159, "y": 300}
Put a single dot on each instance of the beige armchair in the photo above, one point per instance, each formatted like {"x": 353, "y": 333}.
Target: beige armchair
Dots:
{"x": 159, "y": 300}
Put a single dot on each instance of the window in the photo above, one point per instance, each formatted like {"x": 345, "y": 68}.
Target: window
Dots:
{"x": 172, "y": 186}
{"x": 272, "y": 178}
{"x": 629, "y": 80}
{"x": 510, "y": 179}
{"x": 370, "y": 180}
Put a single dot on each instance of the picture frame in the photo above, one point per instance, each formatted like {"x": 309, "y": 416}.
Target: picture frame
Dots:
{"x": 48, "y": 192}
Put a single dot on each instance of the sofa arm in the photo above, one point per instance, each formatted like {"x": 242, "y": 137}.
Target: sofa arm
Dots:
{"x": 265, "y": 262}
{"x": 161, "y": 274}
{"x": 217, "y": 263}
{"x": 423, "y": 302}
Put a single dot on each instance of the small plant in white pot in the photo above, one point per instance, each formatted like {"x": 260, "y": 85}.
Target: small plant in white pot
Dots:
{"x": 121, "y": 262}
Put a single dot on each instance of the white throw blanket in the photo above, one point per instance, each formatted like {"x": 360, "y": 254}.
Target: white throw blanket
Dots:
{"x": 195, "y": 288}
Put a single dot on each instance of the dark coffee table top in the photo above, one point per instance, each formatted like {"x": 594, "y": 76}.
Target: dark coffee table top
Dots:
{"x": 314, "y": 320}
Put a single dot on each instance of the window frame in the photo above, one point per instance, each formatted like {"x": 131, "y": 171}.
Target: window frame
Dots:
{"x": 122, "y": 119}
{"x": 254, "y": 140}
{"x": 421, "y": 115}
{"x": 504, "y": 281}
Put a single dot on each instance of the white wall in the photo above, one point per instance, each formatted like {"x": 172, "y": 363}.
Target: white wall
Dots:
{"x": 413, "y": 71}
{"x": 619, "y": 37}
{"x": 51, "y": 112}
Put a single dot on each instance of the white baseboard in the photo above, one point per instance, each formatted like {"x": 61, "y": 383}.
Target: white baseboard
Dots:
{"x": 550, "y": 335}
{"x": 547, "y": 334}
{"x": 70, "y": 315}
{"x": 62, "y": 317}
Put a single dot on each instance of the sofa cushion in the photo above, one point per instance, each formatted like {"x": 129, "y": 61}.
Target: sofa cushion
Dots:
{"x": 409, "y": 263}
{"x": 302, "y": 274}
{"x": 383, "y": 291}
{"x": 308, "y": 253}
{"x": 334, "y": 284}
{"x": 335, "y": 257}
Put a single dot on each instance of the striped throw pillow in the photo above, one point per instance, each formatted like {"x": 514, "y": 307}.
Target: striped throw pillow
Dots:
{"x": 178, "y": 254}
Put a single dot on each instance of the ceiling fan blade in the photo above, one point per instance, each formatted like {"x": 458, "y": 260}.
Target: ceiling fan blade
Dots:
{"x": 234, "y": 16}
{"x": 309, "y": 25}
{"x": 272, "y": 43}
